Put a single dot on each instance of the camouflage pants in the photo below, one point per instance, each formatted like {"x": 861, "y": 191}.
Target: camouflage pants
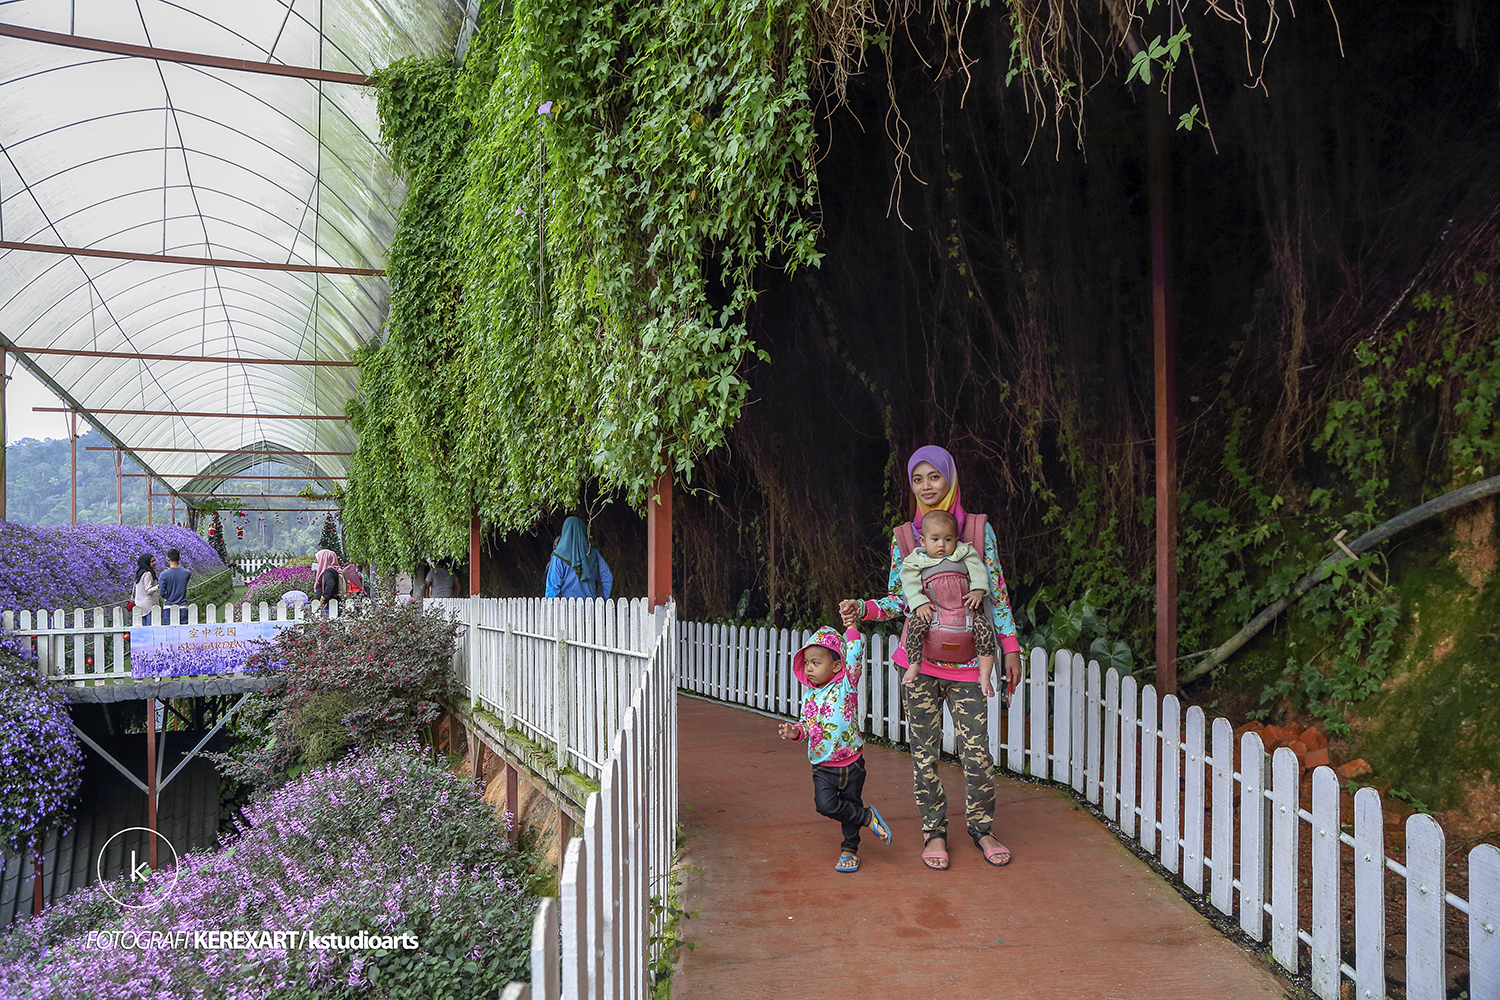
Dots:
{"x": 925, "y": 698}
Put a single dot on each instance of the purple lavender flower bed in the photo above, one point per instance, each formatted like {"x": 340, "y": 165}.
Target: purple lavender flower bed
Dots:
{"x": 87, "y": 565}
{"x": 382, "y": 843}
{"x": 276, "y": 582}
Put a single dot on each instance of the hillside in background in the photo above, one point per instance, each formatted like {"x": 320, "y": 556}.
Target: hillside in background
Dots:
{"x": 37, "y": 493}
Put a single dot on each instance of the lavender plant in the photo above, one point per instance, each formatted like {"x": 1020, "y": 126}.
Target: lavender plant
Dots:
{"x": 340, "y": 683}
{"x": 41, "y": 762}
{"x": 383, "y": 843}
{"x": 87, "y": 565}
{"x": 272, "y": 585}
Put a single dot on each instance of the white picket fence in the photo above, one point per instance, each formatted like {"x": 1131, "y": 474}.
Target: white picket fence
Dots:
{"x": 1170, "y": 781}
{"x": 87, "y": 646}
{"x": 248, "y": 567}
{"x": 563, "y": 671}
{"x": 593, "y": 677}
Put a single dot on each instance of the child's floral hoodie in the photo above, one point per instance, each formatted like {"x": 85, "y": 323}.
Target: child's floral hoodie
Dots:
{"x": 830, "y": 714}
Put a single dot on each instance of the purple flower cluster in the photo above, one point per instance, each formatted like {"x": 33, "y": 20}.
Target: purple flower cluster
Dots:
{"x": 41, "y": 762}
{"x": 382, "y": 842}
{"x": 271, "y": 585}
{"x": 87, "y": 565}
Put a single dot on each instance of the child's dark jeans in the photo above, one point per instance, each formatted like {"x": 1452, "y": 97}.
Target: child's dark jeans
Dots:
{"x": 838, "y": 793}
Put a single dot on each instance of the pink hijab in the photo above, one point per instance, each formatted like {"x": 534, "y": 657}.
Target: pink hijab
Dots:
{"x": 941, "y": 460}
{"x": 326, "y": 559}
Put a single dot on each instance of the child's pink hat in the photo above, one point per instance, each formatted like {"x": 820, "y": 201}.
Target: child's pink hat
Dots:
{"x": 826, "y": 637}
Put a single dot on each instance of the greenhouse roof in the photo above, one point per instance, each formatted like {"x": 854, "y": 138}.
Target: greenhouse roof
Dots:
{"x": 224, "y": 213}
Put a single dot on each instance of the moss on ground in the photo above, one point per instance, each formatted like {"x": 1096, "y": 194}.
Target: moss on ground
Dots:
{"x": 1434, "y": 728}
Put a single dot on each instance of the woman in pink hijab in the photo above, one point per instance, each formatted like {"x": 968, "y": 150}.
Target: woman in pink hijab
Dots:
{"x": 933, "y": 480}
{"x": 327, "y": 580}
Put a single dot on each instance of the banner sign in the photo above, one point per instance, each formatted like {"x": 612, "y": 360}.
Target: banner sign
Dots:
{"x": 191, "y": 650}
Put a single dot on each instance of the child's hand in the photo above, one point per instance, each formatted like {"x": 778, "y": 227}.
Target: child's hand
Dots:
{"x": 788, "y": 730}
{"x": 910, "y": 674}
{"x": 849, "y": 613}
{"x": 986, "y": 685}
{"x": 924, "y": 613}
{"x": 973, "y": 599}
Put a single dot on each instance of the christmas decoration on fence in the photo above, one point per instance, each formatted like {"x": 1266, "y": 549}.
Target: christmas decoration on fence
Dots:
{"x": 216, "y": 537}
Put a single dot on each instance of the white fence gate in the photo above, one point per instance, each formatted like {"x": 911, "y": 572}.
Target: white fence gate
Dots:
{"x": 1174, "y": 782}
{"x": 598, "y": 680}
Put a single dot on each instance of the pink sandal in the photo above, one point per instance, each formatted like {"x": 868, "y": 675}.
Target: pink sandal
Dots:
{"x": 936, "y": 860}
{"x": 997, "y": 856}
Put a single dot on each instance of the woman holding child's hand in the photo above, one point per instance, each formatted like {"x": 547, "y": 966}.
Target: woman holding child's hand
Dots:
{"x": 963, "y": 687}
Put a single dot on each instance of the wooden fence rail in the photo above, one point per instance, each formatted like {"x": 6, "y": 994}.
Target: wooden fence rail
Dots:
{"x": 598, "y": 680}
{"x": 1228, "y": 820}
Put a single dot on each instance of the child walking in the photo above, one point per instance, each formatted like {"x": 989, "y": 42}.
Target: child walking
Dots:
{"x": 831, "y": 666}
{"x": 939, "y": 545}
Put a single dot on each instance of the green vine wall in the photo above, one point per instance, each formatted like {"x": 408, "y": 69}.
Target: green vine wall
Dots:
{"x": 589, "y": 199}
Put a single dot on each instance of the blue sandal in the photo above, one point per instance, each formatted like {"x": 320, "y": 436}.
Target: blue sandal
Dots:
{"x": 878, "y": 825}
{"x": 847, "y": 863}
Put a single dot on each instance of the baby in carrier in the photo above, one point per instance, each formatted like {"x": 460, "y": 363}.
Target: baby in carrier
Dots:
{"x": 946, "y": 624}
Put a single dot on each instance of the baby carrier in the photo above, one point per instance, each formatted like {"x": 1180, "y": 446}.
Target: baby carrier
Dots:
{"x": 950, "y": 638}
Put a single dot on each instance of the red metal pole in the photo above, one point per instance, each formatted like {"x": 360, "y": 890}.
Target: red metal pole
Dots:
{"x": 163, "y": 258}
{"x": 151, "y": 773}
{"x": 1164, "y": 338}
{"x": 232, "y": 359}
{"x": 149, "y": 494}
{"x": 474, "y": 554}
{"x": 36, "y": 878}
{"x": 659, "y": 542}
{"x": 190, "y": 413}
{"x": 119, "y": 491}
{"x": 73, "y": 466}
{"x": 188, "y": 58}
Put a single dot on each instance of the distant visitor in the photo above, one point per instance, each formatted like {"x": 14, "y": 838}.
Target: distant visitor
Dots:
{"x": 577, "y": 569}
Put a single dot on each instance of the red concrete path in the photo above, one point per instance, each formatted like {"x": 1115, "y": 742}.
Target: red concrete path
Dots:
{"x": 1075, "y": 915}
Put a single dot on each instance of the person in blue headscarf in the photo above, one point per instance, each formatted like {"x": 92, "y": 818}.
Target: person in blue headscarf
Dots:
{"x": 577, "y": 569}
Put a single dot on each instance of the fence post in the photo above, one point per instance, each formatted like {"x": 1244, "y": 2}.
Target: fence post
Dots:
{"x": 1426, "y": 937}
{"x": 1285, "y": 795}
{"x": 508, "y": 667}
{"x": 561, "y": 706}
{"x": 1326, "y": 915}
{"x": 1484, "y": 921}
{"x": 1255, "y": 839}
{"x": 473, "y": 671}
{"x": 545, "y": 961}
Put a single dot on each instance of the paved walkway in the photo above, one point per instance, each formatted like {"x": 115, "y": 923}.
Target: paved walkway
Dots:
{"x": 1075, "y": 915}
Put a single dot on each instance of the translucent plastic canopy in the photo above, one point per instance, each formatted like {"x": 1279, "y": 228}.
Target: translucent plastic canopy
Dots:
{"x": 158, "y": 156}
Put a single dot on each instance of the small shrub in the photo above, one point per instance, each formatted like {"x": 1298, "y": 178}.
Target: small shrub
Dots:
{"x": 342, "y": 682}
{"x": 383, "y": 843}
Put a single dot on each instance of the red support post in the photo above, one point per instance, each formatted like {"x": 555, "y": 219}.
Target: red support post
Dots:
{"x": 659, "y": 542}
{"x": 474, "y": 554}
{"x": 1164, "y": 343}
{"x": 73, "y": 466}
{"x": 119, "y": 491}
{"x": 37, "y": 896}
{"x": 151, "y": 772}
{"x": 513, "y": 800}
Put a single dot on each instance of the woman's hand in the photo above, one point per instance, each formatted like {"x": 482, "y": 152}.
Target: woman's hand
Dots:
{"x": 973, "y": 599}
{"x": 1012, "y": 672}
{"x": 849, "y": 610}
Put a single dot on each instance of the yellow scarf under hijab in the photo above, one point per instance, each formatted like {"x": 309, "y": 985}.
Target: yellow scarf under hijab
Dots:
{"x": 942, "y": 461}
